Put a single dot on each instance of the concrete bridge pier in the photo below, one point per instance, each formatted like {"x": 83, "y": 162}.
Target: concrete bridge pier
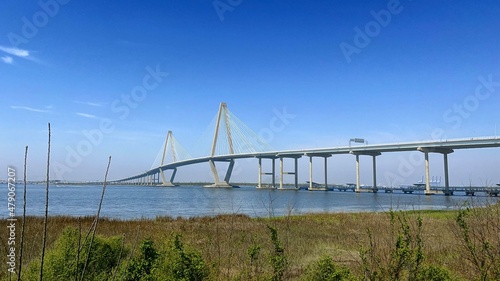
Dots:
{"x": 325, "y": 156}
{"x": 445, "y": 152}
{"x": 169, "y": 182}
{"x": 227, "y": 177}
{"x": 375, "y": 189}
{"x": 294, "y": 173}
{"x": 272, "y": 173}
{"x": 374, "y": 155}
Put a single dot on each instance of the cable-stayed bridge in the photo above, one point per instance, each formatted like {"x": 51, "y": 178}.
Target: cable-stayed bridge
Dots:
{"x": 233, "y": 140}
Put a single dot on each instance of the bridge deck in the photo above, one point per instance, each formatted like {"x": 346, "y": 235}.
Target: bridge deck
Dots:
{"x": 364, "y": 149}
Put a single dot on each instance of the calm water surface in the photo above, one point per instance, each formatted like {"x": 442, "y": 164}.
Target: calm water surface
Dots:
{"x": 131, "y": 202}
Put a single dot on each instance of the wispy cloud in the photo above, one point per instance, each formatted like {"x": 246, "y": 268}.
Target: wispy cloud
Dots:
{"x": 89, "y": 103}
{"x": 86, "y": 115}
{"x": 8, "y": 59}
{"x": 13, "y": 51}
{"x": 29, "y": 108}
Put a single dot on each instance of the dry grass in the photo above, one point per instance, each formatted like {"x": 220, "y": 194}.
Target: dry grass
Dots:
{"x": 224, "y": 240}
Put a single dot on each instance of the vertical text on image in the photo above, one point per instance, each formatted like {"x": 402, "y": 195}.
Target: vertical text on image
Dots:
{"x": 11, "y": 219}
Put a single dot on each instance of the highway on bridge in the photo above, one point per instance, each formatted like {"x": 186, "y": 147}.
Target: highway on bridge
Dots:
{"x": 442, "y": 146}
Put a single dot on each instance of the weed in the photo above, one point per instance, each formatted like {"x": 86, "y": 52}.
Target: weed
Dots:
{"x": 479, "y": 230}
{"x": 181, "y": 265}
{"x": 325, "y": 269}
{"x": 141, "y": 267}
{"x": 279, "y": 261}
{"x": 61, "y": 264}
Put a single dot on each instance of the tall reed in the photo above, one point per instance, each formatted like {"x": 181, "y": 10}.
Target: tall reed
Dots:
{"x": 44, "y": 242}
{"x": 96, "y": 220}
{"x": 24, "y": 218}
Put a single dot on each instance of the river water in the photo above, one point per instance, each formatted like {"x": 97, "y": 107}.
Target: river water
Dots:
{"x": 133, "y": 202}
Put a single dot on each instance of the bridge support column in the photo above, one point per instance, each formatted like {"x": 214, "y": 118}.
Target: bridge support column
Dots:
{"x": 427, "y": 175}
{"x": 326, "y": 172}
{"x": 281, "y": 172}
{"x": 447, "y": 190}
{"x": 375, "y": 189}
{"x": 295, "y": 170}
{"x": 445, "y": 152}
{"x": 358, "y": 183}
{"x": 310, "y": 173}
{"x": 374, "y": 154}
{"x": 272, "y": 173}
{"x": 259, "y": 183}
{"x": 325, "y": 156}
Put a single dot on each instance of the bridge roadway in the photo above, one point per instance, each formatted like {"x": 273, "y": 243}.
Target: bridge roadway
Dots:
{"x": 443, "y": 147}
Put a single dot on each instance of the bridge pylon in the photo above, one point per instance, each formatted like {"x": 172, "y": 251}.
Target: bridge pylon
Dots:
{"x": 169, "y": 142}
{"x": 222, "y": 116}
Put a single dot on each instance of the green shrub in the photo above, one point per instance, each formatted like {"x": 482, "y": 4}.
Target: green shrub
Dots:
{"x": 433, "y": 273}
{"x": 479, "y": 231}
{"x": 279, "y": 261}
{"x": 63, "y": 262}
{"x": 405, "y": 257}
{"x": 325, "y": 269}
{"x": 140, "y": 267}
{"x": 253, "y": 269}
{"x": 180, "y": 264}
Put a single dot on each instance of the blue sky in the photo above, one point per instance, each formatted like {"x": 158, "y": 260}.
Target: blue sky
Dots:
{"x": 120, "y": 74}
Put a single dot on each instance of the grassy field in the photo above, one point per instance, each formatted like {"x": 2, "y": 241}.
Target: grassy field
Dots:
{"x": 373, "y": 246}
